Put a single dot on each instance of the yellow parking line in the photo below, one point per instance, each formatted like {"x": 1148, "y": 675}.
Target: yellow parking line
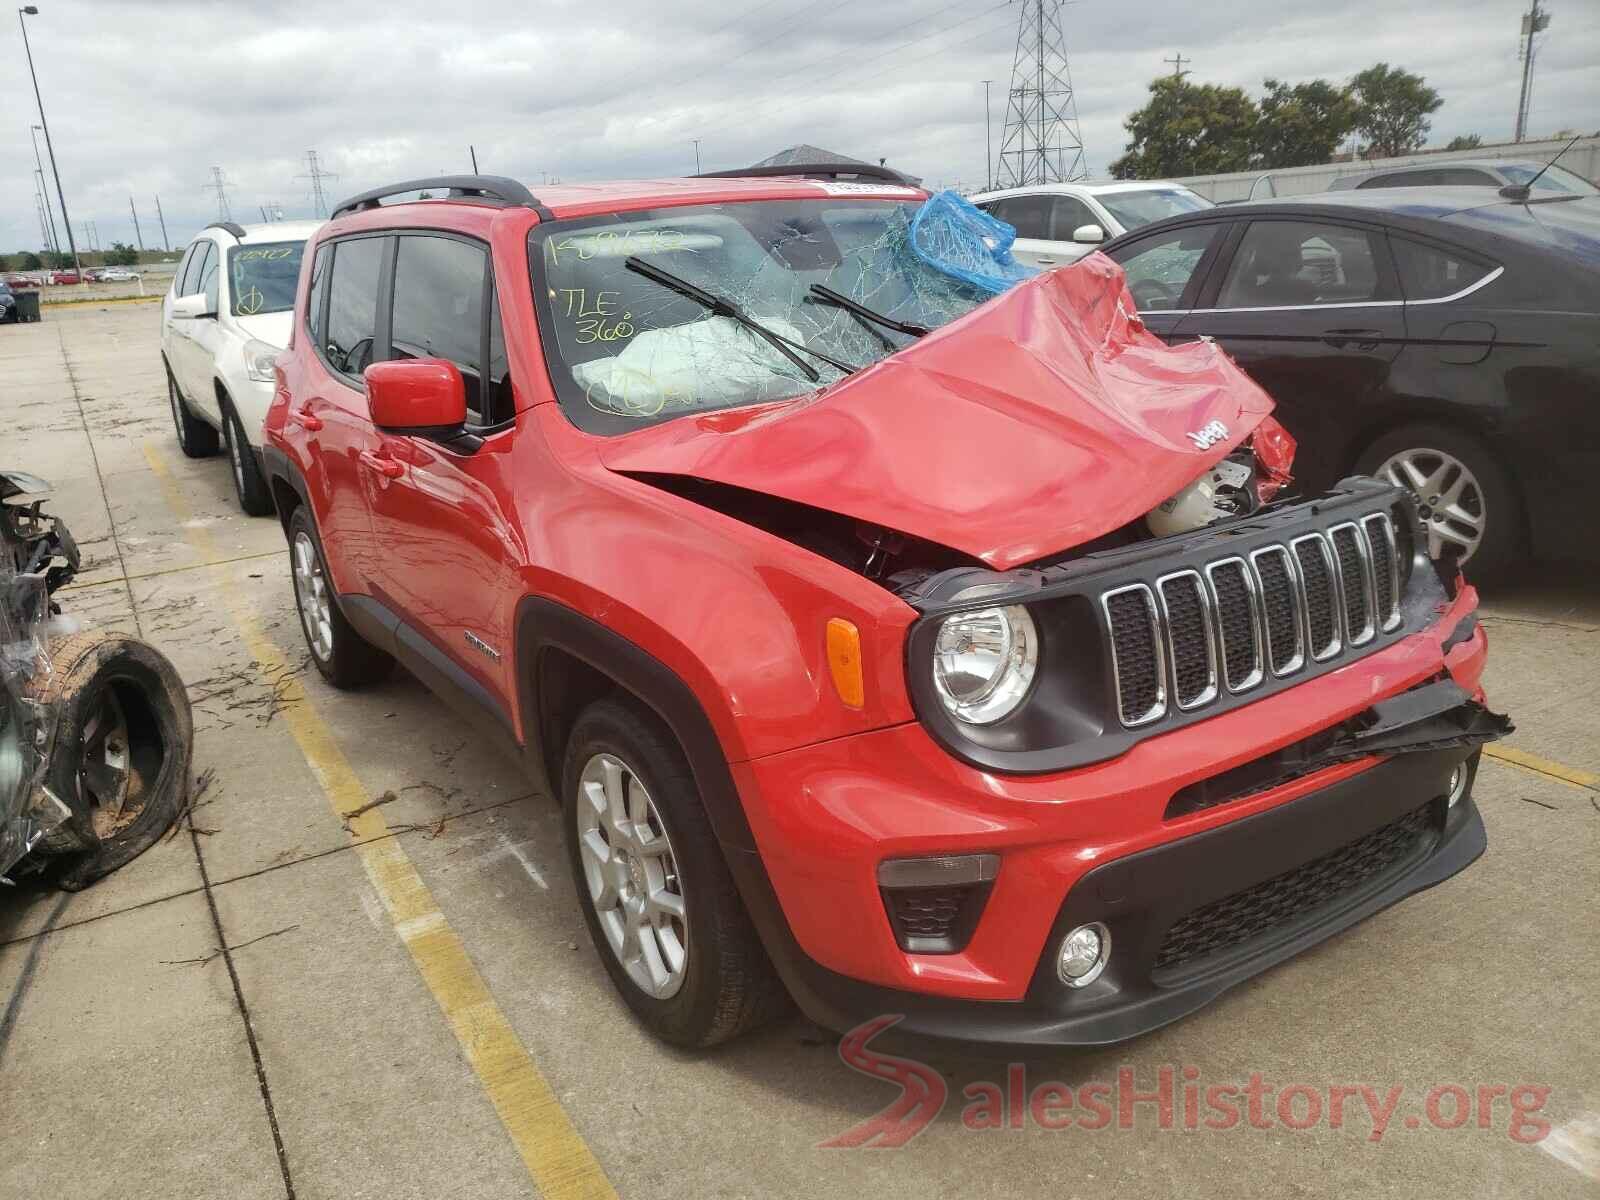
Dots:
{"x": 555, "y": 1154}
{"x": 1532, "y": 762}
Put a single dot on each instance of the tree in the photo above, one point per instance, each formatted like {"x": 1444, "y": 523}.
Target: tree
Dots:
{"x": 121, "y": 255}
{"x": 30, "y": 261}
{"x": 1470, "y": 142}
{"x": 1393, "y": 109}
{"x": 1303, "y": 124}
{"x": 1188, "y": 129}
{"x": 5, "y": 262}
{"x": 57, "y": 260}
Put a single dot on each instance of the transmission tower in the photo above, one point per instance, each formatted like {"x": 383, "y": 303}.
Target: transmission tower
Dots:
{"x": 219, "y": 185}
{"x": 316, "y": 175}
{"x": 1041, "y": 143}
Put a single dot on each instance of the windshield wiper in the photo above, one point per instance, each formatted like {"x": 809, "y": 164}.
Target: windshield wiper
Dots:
{"x": 723, "y": 307}
{"x": 861, "y": 310}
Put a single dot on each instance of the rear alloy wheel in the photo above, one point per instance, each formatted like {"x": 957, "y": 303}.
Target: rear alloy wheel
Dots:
{"x": 343, "y": 656}
{"x": 1467, "y": 504}
{"x": 195, "y": 438}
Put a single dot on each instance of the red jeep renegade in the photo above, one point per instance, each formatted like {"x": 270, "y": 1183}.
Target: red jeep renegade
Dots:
{"x": 892, "y": 644}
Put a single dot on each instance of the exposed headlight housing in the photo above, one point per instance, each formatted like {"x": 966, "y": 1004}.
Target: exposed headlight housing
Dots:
{"x": 984, "y": 662}
{"x": 258, "y": 360}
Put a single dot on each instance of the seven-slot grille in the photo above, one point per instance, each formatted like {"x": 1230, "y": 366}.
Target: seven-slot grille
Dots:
{"x": 1237, "y": 620}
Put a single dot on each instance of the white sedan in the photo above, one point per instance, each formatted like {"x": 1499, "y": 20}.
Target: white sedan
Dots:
{"x": 1059, "y": 223}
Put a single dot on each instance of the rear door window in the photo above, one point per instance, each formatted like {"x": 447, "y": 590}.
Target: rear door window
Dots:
{"x": 439, "y": 286}
{"x": 1431, "y": 273}
{"x": 353, "y": 304}
{"x": 1286, "y": 264}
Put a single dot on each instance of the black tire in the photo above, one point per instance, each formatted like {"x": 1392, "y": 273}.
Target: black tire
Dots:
{"x": 728, "y": 985}
{"x": 1503, "y": 542}
{"x": 120, "y": 755}
{"x": 195, "y": 438}
{"x": 345, "y": 658}
{"x": 255, "y": 497}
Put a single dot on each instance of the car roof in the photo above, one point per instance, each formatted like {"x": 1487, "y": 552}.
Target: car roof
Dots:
{"x": 1093, "y": 189}
{"x": 279, "y": 231}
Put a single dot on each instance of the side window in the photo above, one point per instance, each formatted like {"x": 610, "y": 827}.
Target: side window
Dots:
{"x": 1159, "y": 267}
{"x": 1067, "y": 213}
{"x": 1292, "y": 263}
{"x": 1464, "y": 177}
{"x": 1428, "y": 273}
{"x": 180, "y": 276}
{"x": 1028, "y": 215}
{"x": 316, "y": 322}
{"x": 210, "y": 275}
{"x": 1402, "y": 179}
{"x": 196, "y": 268}
{"x": 438, "y": 308}
{"x": 353, "y": 303}
{"x": 502, "y": 405}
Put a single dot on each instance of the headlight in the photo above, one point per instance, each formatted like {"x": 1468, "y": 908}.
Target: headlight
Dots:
{"x": 984, "y": 662}
{"x": 258, "y": 359}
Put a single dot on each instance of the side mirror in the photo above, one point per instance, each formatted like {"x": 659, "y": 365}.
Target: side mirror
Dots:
{"x": 420, "y": 396}
{"x": 192, "y": 308}
{"x": 1090, "y": 234}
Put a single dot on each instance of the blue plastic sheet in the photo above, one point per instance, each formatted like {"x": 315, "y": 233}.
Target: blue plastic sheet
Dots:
{"x": 954, "y": 236}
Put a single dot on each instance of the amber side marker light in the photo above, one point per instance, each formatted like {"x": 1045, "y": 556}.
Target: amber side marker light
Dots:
{"x": 844, "y": 660}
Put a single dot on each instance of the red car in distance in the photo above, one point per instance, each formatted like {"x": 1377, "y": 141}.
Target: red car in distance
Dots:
{"x": 888, "y": 643}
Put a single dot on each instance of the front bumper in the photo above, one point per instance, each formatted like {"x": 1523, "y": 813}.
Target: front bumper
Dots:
{"x": 1139, "y": 897}
{"x": 1099, "y": 843}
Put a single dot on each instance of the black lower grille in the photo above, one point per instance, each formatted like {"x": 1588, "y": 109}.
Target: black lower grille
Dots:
{"x": 1255, "y": 910}
{"x": 934, "y": 920}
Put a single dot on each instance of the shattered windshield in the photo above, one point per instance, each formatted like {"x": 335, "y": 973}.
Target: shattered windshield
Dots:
{"x": 626, "y": 350}
{"x": 263, "y": 279}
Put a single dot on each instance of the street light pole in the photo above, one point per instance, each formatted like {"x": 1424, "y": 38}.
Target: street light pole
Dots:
{"x": 696, "y": 142}
{"x": 33, "y": 11}
{"x": 988, "y": 144}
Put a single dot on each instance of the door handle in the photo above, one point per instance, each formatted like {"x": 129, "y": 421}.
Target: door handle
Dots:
{"x": 305, "y": 419}
{"x": 1364, "y": 339}
{"x": 389, "y": 468}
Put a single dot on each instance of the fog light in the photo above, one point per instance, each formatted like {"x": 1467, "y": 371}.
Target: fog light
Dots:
{"x": 1458, "y": 784}
{"x": 1083, "y": 956}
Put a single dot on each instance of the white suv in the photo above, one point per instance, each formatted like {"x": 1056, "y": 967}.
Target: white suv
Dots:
{"x": 1059, "y": 223}
{"x": 225, "y": 318}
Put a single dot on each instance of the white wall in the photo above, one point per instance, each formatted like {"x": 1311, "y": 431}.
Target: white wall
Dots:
{"x": 1583, "y": 159}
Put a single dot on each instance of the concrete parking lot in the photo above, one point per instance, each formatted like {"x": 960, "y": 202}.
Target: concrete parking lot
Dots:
{"x": 409, "y": 1005}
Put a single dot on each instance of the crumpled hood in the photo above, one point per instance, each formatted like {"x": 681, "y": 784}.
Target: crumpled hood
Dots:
{"x": 1042, "y": 419}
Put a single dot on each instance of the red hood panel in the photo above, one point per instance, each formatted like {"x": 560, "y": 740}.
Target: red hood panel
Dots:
{"x": 1039, "y": 421}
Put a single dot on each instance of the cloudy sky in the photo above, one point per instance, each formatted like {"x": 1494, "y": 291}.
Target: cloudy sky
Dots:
{"x": 145, "y": 97}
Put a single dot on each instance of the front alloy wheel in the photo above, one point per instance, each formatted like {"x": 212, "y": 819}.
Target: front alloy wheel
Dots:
{"x": 632, "y": 876}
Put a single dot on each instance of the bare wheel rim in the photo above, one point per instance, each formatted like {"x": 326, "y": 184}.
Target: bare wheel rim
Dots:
{"x": 1450, "y": 500}
{"x": 632, "y": 876}
{"x": 311, "y": 591}
{"x": 103, "y": 775}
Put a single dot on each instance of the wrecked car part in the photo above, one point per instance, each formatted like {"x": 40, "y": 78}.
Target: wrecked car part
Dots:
{"x": 1437, "y": 715}
{"x": 1166, "y": 632}
{"x": 95, "y": 729}
{"x": 828, "y": 295}
{"x": 953, "y": 235}
{"x": 1044, "y": 395}
{"x": 624, "y": 352}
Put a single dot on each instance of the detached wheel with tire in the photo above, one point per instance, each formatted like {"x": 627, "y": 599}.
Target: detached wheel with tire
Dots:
{"x": 195, "y": 438}
{"x": 120, "y": 755}
{"x": 345, "y": 658}
{"x": 661, "y": 907}
{"x": 1466, "y": 498}
{"x": 255, "y": 497}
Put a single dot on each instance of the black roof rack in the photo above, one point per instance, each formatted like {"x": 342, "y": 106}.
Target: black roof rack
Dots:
{"x": 232, "y": 227}
{"x": 824, "y": 170}
{"x": 493, "y": 189}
